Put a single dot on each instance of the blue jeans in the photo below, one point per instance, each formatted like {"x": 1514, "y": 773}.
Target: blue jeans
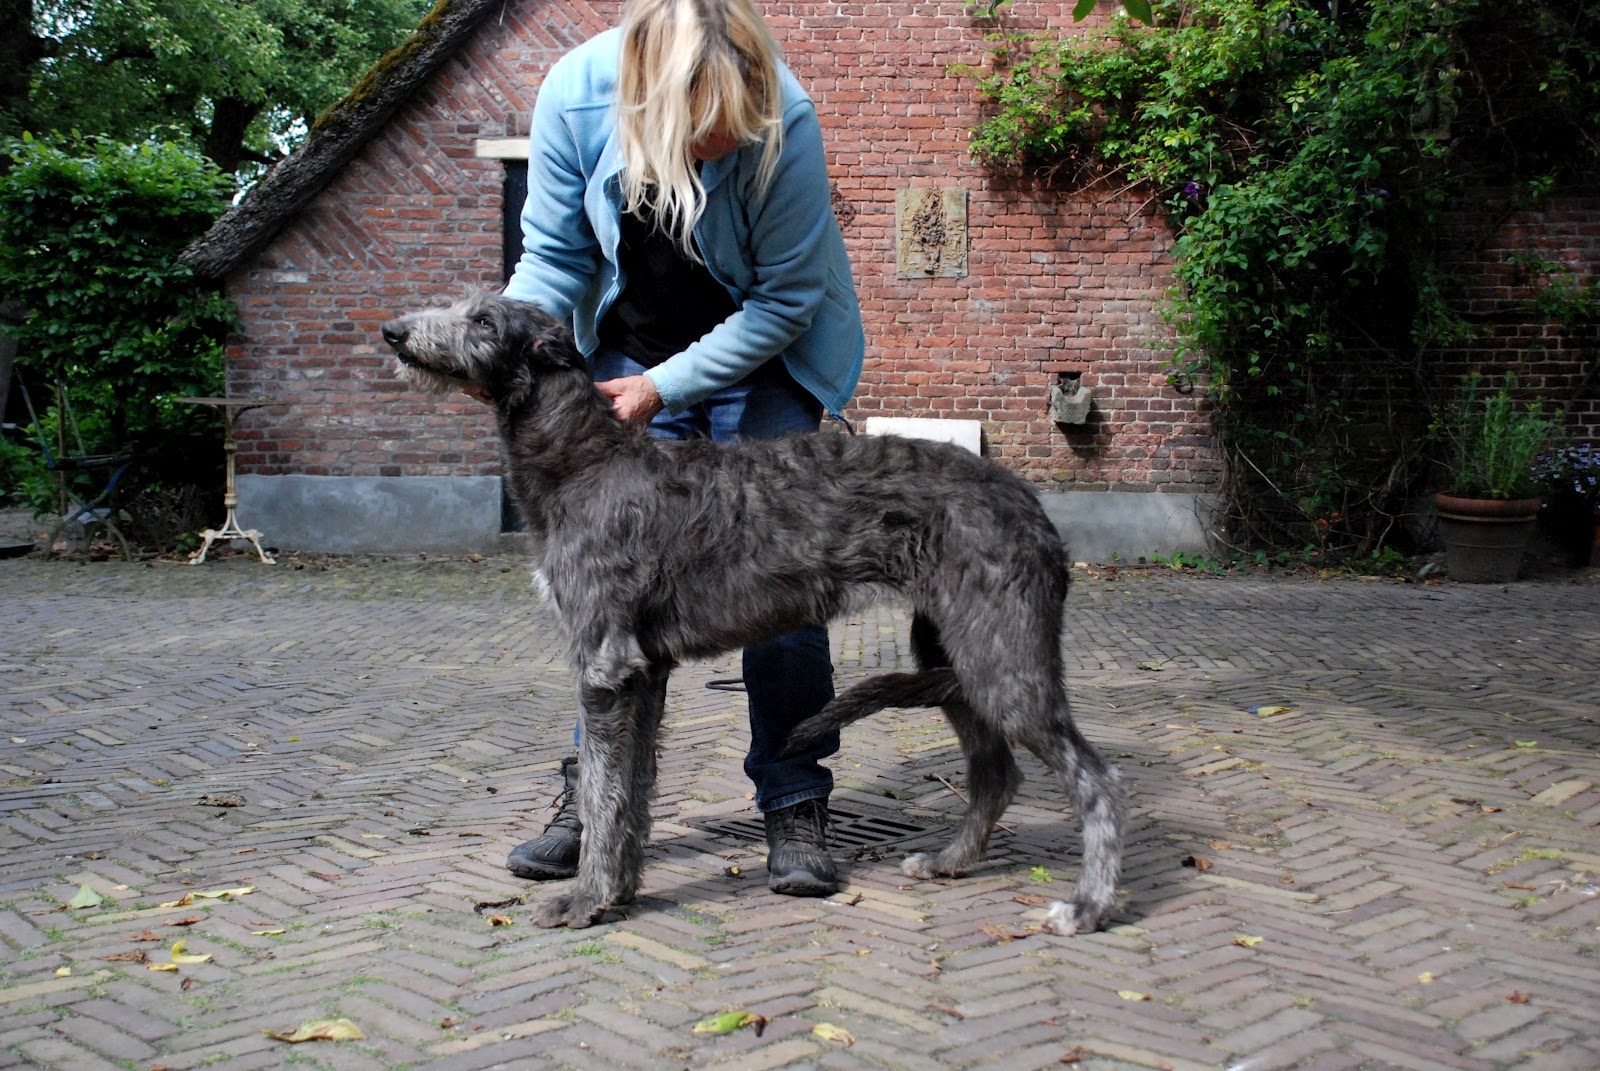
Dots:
{"x": 790, "y": 678}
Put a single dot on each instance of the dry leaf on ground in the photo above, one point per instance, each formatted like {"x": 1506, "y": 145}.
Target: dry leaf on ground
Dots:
{"x": 86, "y": 897}
{"x": 829, "y": 1032}
{"x": 321, "y": 1030}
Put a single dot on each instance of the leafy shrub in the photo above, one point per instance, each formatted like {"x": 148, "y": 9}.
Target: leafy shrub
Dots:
{"x": 89, "y": 240}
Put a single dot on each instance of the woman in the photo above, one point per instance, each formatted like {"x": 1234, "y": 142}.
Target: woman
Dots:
{"x": 679, "y": 211}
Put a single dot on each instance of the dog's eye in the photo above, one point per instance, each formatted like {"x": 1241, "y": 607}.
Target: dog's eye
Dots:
{"x": 484, "y": 321}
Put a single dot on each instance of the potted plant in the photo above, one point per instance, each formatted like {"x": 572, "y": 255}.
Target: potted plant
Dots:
{"x": 1490, "y": 504}
{"x": 1569, "y": 482}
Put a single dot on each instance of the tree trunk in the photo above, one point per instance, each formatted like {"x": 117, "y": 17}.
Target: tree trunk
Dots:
{"x": 20, "y": 50}
{"x": 224, "y": 142}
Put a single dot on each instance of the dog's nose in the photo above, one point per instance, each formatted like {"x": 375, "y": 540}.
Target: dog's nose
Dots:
{"x": 394, "y": 332}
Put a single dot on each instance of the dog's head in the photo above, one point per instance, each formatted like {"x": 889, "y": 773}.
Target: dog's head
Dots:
{"x": 485, "y": 341}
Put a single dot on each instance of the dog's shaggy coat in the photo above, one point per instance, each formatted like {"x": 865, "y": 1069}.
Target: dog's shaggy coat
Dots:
{"x": 655, "y": 552}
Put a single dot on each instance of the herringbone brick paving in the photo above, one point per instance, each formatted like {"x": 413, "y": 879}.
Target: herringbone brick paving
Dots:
{"x": 1365, "y": 834}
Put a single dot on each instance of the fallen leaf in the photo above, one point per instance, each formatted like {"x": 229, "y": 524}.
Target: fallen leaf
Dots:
{"x": 161, "y": 966}
{"x": 1031, "y": 901}
{"x": 945, "y": 1009}
{"x": 322, "y": 1030}
{"x": 325, "y": 876}
{"x": 726, "y": 1023}
{"x": 188, "y": 921}
{"x": 180, "y": 956}
{"x": 186, "y": 985}
{"x": 1517, "y": 998}
{"x": 499, "y": 920}
{"x": 1526, "y": 743}
{"x": 1005, "y": 933}
{"x": 1427, "y": 977}
{"x": 215, "y": 894}
{"x": 19, "y": 739}
{"x": 63, "y": 972}
{"x": 1072, "y": 1057}
{"x": 1039, "y": 873}
{"x": 241, "y": 851}
{"x": 829, "y": 1032}
{"x": 1267, "y": 712}
{"x": 147, "y": 935}
{"x": 1247, "y": 942}
{"x": 86, "y": 897}
{"x": 1130, "y": 994}
{"x": 1199, "y": 862}
{"x": 265, "y": 933}
{"x": 132, "y": 955}
{"x": 449, "y": 1021}
{"x": 1517, "y": 885}
{"x": 1218, "y": 845}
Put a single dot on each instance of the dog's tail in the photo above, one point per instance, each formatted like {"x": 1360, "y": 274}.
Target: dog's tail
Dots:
{"x": 929, "y": 688}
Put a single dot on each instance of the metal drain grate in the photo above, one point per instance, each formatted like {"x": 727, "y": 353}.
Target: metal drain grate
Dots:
{"x": 850, "y": 828}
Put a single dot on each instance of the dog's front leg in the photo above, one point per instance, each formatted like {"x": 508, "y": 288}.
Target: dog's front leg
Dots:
{"x": 621, "y": 704}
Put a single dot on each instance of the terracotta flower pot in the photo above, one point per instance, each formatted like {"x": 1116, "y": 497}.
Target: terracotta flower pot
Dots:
{"x": 1484, "y": 537}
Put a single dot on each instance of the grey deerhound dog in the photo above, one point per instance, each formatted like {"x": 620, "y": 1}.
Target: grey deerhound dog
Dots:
{"x": 656, "y": 552}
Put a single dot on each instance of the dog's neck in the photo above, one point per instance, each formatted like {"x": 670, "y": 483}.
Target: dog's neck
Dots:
{"x": 554, "y": 430}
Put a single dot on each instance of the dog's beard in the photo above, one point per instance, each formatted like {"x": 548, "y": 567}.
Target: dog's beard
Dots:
{"x": 433, "y": 382}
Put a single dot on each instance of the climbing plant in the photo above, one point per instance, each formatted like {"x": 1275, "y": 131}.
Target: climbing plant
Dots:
{"x": 1303, "y": 153}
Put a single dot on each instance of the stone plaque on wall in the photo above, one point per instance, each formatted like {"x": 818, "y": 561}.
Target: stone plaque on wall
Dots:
{"x": 931, "y": 228}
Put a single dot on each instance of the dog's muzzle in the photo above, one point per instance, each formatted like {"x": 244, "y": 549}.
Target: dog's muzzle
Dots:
{"x": 395, "y": 332}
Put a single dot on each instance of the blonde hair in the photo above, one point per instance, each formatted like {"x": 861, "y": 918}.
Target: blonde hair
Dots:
{"x": 690, "y": 69}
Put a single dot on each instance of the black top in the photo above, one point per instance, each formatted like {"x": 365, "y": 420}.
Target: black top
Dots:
{"x": 668, "y": 300}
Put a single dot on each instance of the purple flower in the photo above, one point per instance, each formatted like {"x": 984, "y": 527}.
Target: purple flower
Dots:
{"x": 1192, "y": 190}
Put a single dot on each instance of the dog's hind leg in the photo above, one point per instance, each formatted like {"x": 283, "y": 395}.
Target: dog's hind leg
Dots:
{"x": 992, "y": 774}
{"x": 621, "y": 697}
{"x": 1096, "y": 789}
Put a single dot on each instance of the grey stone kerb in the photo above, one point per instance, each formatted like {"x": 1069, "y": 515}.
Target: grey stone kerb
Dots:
{"x": 462, "y": 514}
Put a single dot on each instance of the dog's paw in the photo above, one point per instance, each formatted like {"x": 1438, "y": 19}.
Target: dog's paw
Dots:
{"x": 1067, "y": 919}
{"x": 926, "y": 865}
{"x": 571, "y": 911}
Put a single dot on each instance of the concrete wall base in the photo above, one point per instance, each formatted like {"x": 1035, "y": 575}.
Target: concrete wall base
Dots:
{"x": 461, "y": 515}
{"x": 373, "y": 514}
{"x": 1109, "y": 526}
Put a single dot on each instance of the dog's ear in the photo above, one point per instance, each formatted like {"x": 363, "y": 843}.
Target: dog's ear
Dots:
{"x": 542, "y": 339}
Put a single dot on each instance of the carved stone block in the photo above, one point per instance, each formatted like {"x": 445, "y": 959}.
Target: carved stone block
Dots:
{"x": 931, "y": 228}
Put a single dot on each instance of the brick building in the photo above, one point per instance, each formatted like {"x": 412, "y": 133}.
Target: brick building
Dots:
{"x": 408, "y": 191}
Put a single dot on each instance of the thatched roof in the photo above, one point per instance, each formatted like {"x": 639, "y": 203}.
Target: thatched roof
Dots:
{"x": 335, "y": 138}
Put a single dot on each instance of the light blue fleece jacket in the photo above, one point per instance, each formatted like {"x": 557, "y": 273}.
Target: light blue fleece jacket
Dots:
{"x": 780, "y": 256}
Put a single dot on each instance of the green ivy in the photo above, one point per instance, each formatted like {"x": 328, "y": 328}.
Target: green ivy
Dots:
{"x": 1303, "y": 153}
{"x": 89, "y": 240}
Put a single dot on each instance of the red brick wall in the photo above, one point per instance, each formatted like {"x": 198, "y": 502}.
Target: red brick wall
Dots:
{"x": 412, "y": 220}
{"x": 1497, "y": 296}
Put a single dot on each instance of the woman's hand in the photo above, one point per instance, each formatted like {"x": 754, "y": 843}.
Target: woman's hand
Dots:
{"x": 633, "y": 398}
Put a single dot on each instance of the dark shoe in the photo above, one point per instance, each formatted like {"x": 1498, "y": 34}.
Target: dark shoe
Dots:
{"x": 798, "y": 863}
{"x": 554, "y": 853}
